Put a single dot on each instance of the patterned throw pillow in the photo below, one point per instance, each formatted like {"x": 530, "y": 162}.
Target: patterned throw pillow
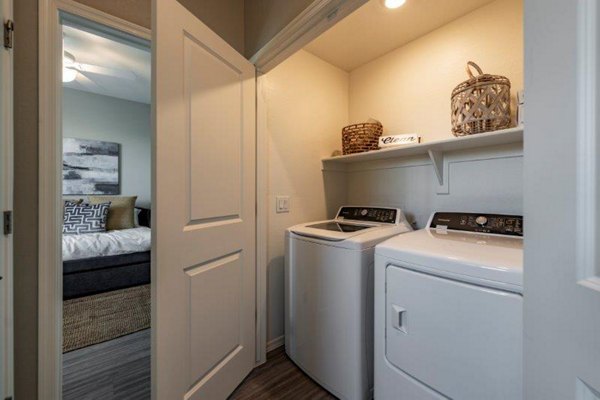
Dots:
{"x": 85, "y": 218}
{"x": 121, "y": 212}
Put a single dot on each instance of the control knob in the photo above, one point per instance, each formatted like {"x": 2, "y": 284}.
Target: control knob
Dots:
{"x": 364, "y": 212}
{"x": 481, "y": 220}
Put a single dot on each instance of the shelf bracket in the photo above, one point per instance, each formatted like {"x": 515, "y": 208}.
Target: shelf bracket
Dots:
{"x": 440, "y": 166}
{"x": 437, "y": 160}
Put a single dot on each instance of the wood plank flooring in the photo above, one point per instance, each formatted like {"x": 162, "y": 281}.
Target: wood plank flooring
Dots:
{"x": 279, "y": 379}
{"x": 118, "y": 369}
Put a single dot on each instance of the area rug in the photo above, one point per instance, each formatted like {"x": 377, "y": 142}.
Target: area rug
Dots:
{"x": 101, "y": 317}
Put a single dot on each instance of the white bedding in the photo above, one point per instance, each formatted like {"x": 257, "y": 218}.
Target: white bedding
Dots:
{"x": 103, "y": 244}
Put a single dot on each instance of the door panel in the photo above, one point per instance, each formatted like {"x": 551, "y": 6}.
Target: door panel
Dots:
{"x": 215, "y": 132}
{"x": 204, "y": 225}
{"x": 215, "y": 298}
{"x": 561, "y": 197}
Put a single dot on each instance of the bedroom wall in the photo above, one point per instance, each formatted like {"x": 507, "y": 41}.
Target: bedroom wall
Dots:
{"x": 409, "y": 89}
{"x": 307, "y": 103}
{"x": 97, "y": 117}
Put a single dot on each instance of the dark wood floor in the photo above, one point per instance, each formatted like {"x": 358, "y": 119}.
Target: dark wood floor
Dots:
{"x": 115, "y": 370}
{"x": 120, "y": 370}
{"x": 278, "y": 379}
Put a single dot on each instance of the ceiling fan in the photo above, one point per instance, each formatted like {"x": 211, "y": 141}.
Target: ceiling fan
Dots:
{"x": 73, "y": 69}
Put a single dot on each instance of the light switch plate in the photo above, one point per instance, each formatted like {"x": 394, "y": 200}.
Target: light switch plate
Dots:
{"x": 282, "y": 204}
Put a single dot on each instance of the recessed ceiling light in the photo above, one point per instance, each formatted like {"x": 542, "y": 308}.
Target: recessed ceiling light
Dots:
{"x": 393, "y": 3}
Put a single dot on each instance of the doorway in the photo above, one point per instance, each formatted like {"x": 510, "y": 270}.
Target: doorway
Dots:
{"x": 96, "y": 138}
{"x": 223, "y": 203}
{"x": 106, "y": 193}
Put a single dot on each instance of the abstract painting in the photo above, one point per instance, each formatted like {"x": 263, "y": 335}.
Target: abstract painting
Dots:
{"x": 90, "y": 167}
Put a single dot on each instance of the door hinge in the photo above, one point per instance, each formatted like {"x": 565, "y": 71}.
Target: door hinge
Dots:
{"x": 9, "y": 28}
{"x": 7, "y": 222}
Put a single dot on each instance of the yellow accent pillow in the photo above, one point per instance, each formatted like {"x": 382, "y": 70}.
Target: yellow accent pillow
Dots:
{"x": 120, "y": 213}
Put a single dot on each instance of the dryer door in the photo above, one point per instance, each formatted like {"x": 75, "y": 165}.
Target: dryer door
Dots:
{"x": 462, "y": 340}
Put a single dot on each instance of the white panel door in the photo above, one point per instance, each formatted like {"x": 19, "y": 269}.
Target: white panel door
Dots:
{"x": 204, "y": 206}
{"x": 562, "y": 200}
{"x": 6, "y": 194}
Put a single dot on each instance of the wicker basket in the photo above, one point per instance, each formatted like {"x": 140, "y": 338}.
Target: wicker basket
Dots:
{"x": 480, "y": 104}
{"x": 363, "y": 137}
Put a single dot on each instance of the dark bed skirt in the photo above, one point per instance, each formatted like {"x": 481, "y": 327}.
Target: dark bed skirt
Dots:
{"x": 103, "y": 274}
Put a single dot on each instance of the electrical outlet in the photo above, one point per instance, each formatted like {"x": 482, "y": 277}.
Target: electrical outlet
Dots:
{"x": 282, "y": 204}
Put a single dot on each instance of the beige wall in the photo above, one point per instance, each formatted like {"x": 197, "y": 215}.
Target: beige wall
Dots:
{"x": 265, "y": 18}
{"x": 25, "y": 198}
{"x": 245, "y": 25}
{"x": 307, "y": 102}
{"x": 225, "y": 17}
{"x": 136, "y": 11}
{"x": 409, "y": 89}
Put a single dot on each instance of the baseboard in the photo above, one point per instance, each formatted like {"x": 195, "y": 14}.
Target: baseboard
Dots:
{"x": 275, "y": 343}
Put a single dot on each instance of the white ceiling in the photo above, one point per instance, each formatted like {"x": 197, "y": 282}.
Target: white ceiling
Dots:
{"x": 373, "y": 30}
{"x": 131, "y": 64}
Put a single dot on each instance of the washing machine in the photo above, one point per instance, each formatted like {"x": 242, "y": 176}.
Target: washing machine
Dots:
{"x": 329, "y": 296}
{"x": 449, "y": 310}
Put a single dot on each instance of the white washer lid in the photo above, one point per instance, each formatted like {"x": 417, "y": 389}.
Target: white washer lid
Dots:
{"x": 358, "y": 240}
{"x": 487, "y": 260}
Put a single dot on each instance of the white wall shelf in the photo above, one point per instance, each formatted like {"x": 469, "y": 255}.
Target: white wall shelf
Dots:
{"x": 434, "y": 150}
{"x": 505, "y": 136}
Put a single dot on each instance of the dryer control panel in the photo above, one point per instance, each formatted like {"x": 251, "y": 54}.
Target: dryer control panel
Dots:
{"x": 498, "y": 224}
{"x": 369, "y": 214}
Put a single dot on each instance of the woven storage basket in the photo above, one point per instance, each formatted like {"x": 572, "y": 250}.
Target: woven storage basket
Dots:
{"x": 363, "y": 137}
{"x": 481, "y": 103}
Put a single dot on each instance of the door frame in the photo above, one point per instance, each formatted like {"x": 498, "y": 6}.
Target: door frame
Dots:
{"x": 50, "y": 182}
{"x": 6, "y": 204}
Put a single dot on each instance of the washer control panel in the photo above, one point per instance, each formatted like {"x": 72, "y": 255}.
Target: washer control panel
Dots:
{"x": 498, "y": 224}
{"x": 369, "y": 214}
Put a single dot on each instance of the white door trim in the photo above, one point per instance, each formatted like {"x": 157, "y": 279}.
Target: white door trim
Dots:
{"x": 6, "y": 204}
{"x": 50, "y": 183}
{"x": 587, "y": 132}
{"x": 262, "y": 219}
{"x": 319, "y": 16}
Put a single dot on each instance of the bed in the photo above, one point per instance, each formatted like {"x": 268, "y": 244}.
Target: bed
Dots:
{"x": 96, "y": 263}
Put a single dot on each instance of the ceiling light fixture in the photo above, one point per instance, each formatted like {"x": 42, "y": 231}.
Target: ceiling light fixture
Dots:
{"x": 393, "y": 3}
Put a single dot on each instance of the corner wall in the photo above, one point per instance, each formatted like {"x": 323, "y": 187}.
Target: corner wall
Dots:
{"x": 263, "y": 19}
{"x": 307, "y": 103}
